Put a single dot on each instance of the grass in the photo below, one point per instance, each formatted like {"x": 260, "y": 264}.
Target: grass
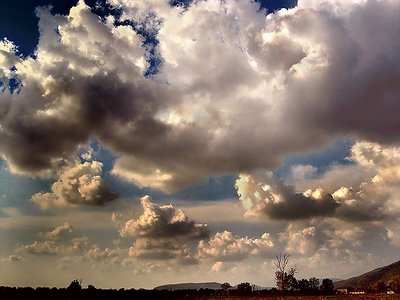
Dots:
{"x": 336, "y": 297}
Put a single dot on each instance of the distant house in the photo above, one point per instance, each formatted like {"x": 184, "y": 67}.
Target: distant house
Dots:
{"x": 390, "y": 292}
{"x": 343, "y": 290}
{"x": 357, "y": 292}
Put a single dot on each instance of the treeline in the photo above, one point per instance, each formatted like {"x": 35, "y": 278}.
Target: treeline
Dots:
{"x": 75, "y": 292}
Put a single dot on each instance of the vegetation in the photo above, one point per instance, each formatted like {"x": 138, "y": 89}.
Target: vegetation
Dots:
{"x": 378, "y": 280}
{"x": 287, "y": 287}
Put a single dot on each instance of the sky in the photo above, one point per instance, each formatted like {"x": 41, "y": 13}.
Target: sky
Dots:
{"x": 152, "y": 142}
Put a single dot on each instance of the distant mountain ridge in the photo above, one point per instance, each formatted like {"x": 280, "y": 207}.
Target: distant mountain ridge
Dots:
{"x": 369, "y": 279}
{"x": 190, "y": 286}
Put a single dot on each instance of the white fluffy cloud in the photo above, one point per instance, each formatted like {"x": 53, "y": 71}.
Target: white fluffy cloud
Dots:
{"x": 163, "y": 222}
{"x": 271, "y": 197}
{"x": 224, "y": 246}
{"x": 78, "y": 184}
{"x": 40, "y": 248}
{"x": 237, "y": 89}
{"x": 300, "y": 241}
{"x": 369, "y": 192}
{"x": 8, "y": 59}
{"x": 361, "y": 222}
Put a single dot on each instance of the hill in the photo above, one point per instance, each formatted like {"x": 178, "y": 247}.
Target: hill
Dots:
{"x": 373, "y": 278}
{"x": 190, "y": 286}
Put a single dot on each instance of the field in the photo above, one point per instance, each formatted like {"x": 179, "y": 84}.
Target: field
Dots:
{"x": 337, "y": 297}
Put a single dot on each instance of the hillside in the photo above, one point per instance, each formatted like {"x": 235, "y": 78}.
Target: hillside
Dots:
{"x": 372, "y": 278}
{"x": 190, "y": 286}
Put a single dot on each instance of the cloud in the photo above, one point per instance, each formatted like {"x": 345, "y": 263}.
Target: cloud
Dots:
{"x": 289, "y": 82}
{"x": 163, "y": 233}
{"x": 12, "y": 258}
{"x": 89, "y": 254}
{"x": 40, "y": 248}
{"x": 363, "y": 191}
{"x": 224, "y": 246}
{"x": 8, "y": 59}
{"x": 302, "y": 241}
{"x": 163, "y": 222}
{"x": 164, "y": 249}
{"x": 272, "y": 198}
{"x": 77, "y": 184}
{"x": 57, "y": 232}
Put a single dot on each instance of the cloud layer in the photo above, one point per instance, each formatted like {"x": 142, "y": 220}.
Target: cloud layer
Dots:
{"x": 238, "y": 89}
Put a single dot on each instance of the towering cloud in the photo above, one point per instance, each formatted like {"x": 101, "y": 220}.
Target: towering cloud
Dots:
{"x": 237, "y": 91}
{"x": 163, "y": 222}
{"x": 162, "y": 232}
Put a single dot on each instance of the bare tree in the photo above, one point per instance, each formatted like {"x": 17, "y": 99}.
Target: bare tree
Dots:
{"x": 282, "y": 261}
{"x": 284, "y": 279}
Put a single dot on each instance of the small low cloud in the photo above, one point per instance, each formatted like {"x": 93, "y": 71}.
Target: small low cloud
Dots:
{"x": 80, "y": 183}
{"x": 164, "y": 249}
{"x": 225, "y": 246}
{"x": 12, "y": 258}
{"x": 40, "y": 248}
{"x": 57, "y": 232}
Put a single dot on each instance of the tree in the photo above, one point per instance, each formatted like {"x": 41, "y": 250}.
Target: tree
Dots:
{"x": 314, "y": 284}
{"x": 292, "y": 281}
{"x": 303, "y": 286}
{"x": 379, "y": 286}
{"x": 394, "y": 283}
{"x": 244, "y": 288}
{"x": 285, "y": 280}
{"x": 225, "y": 286}
{"x": 327, "y": 286}
{"x": 75, "y": 285}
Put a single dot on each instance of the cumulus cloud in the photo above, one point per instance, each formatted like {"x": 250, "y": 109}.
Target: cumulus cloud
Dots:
{"x": 57, "y": 232}
{"x": 224, "y": 246}
{"x": 288, "y": 82}
{"x": 12, "y": 258}
{"x": 72, "y": 251}
{"x": 271, "y": 197}
{"x": 163, "y": 222}
{"x": 301, "y": 241}
{"x": 78, "y": 184}
{"x": 8, "y": 59}
{"x": 163, "y": 233}
{"x": 164, "y": 249}
{"x": 369, "y": 192}
{"x": 40, "y": 248}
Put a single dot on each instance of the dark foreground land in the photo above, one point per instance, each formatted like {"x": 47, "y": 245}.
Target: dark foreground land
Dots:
{"x": 8, "y": 293}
